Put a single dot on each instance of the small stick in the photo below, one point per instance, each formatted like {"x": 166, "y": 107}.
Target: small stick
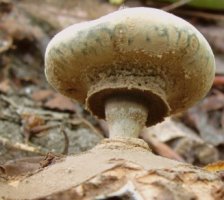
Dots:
{"x": 38, "y": 129}
{"x": 88, "y": 125}
{"x": 219, "y": 80}
{"x": 62, "y": 131}
{"x": 159, "y": 147}
{"x": 9, "y": 101}
{"x": 21, "y": 146}
{"x": 204, "y": 15}
{"x": 175, "y": 5}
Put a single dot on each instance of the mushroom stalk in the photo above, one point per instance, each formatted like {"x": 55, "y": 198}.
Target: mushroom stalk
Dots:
{"x": 126, "y": 117}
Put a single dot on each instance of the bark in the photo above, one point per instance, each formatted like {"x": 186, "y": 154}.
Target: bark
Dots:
{"x": 116, "y": 169}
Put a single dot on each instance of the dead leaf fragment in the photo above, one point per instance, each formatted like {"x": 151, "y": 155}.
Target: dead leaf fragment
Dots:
{"x": 185, "y": 143}
{"x": 213, "y": 102}
{"x": 5, "y": 6}
{"x": 42, "y": 95}
{"x": 5, "y": 40}
{"x": 30, "y": 122}
{"x": 214, "y": 167}
{"x": 49, "y": 159}
{"x": 203, "y": 121}
{"x": 59, "y": 102}
{"x": 5, "y": 86}
{"x": 21, "y": 167}
{"x": 218, "y": 81}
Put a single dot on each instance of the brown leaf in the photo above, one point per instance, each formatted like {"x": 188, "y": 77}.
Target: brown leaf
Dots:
{"x": 42, "y": 95}
{"x": 200, "y": 120}
{"x": 59, "y": 102}
{"x": 213, "y": 102}
{"x": 5, "y": 86}
{"x": 30, "y": 122}
{"x": 21, "y": 166}
{"x": 50, "y": 159}
{"x": 218, "y": 81}
{"x": 5, "y": 6}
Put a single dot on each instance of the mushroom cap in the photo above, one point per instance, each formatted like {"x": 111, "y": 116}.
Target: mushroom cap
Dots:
{"x": 144, "y": 52}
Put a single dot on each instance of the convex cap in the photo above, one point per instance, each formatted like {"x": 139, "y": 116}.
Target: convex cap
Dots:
{"x": 144, "y": 52}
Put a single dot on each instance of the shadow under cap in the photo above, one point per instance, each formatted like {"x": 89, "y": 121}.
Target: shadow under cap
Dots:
{"x": 157, "y": 106}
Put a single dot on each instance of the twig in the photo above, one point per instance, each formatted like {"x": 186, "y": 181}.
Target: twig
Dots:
{"x": 104, "y": 127}
{"x": 204, "y": 15}
{"x": 219, "y": 80}
{"x": 159, "y": 147}
{"x": 21, "y": 146}
{"x": 62, "y": 131}
{"x": 87, "y": 124}
{"x": 38, "y": 129}
{"x": 175, "y": 5}
{"x": 9, "y": 101}
{"x": 46, "y": 115}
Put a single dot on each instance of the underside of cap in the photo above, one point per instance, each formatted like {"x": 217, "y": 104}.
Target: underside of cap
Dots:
{"x": 157, "y": 106}
{"x": 130, "y": 80}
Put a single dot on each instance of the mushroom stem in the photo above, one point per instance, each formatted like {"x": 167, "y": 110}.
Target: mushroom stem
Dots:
{"x": 126, "y": 117}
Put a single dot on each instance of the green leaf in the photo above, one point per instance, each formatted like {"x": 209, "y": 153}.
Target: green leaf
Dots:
{"x": 208, "y": 4}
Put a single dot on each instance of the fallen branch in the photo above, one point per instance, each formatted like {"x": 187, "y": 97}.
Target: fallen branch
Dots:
{"x": 21, "y": 146}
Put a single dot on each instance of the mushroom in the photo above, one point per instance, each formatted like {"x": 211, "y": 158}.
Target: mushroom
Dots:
{"x": 133, "y": 68}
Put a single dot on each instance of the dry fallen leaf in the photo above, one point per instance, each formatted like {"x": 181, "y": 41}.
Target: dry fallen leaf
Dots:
{"x": 213, "y": 102}
{"x": 5, "y": 6}
{"x": 206, "y": 123}
{"x": 30, "y": 122}
{"x": 59, "y": 102}
{"x": 21, "y": 166}
{"x": 214, "y": 167}
{"x": 42, "y": 95}
{"x": 5, "y": 86}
